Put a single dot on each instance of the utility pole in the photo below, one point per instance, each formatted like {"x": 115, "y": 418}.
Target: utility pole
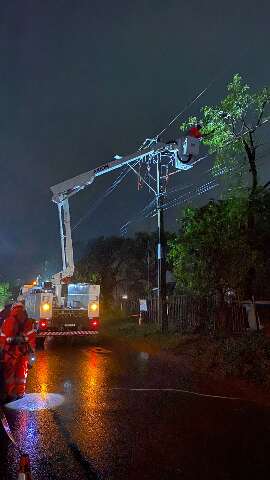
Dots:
{"x": 148, "y": 267}
{"x": 162, "y": 294}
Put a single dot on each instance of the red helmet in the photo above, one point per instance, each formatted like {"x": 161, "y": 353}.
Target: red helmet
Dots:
{"x": 17, "y": 307}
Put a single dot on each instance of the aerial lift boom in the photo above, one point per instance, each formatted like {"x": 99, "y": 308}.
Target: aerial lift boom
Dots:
{"x": 177, "y": 152}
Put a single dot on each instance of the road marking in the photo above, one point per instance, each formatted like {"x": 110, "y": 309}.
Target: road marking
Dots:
{"x": 179, "y": 390}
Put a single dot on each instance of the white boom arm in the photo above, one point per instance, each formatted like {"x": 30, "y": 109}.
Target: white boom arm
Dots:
{"x": 62, "y": 191}
{"x": 73, "y": 185}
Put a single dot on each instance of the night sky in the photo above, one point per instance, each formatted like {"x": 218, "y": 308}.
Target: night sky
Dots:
{"x": 83, "y": 80}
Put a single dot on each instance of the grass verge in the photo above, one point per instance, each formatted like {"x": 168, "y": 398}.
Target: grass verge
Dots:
{"x": 245, "y": 357}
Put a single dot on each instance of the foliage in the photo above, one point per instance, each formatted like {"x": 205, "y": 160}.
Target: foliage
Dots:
{"x": 259, "y": 240}
{"x": 120, "y": 265}
{"x": 207, "y": 256}
{"x": 215, "y": 252}
{"x": 5, "y": 294}
{"x": 229, "y": 129}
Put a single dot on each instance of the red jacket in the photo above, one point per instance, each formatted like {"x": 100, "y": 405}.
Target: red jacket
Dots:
{"x": 17, "y": 333}
{"x": 194, "y": 132}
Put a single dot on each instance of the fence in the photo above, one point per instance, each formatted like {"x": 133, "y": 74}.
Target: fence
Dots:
{"x": 196, "y": 314}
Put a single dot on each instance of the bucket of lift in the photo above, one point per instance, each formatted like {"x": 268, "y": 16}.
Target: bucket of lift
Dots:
{"x": 188, "y": 149}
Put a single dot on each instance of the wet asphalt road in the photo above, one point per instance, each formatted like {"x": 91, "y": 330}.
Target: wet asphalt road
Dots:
{"x": 103, "y": 430}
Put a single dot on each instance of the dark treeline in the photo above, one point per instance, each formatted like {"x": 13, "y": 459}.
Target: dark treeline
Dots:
{"x": 122, "y": 266}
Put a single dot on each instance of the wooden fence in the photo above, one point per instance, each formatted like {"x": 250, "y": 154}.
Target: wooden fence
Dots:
{"x": 195, "y": 314}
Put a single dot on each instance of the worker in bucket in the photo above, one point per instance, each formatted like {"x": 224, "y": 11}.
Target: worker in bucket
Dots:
{"x": 17, "y": 343}
{"x": 194, "y": 136}
{"x": 195, "y": 131}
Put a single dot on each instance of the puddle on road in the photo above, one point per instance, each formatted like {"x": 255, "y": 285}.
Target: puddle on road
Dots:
{"x": 37, "y": 401}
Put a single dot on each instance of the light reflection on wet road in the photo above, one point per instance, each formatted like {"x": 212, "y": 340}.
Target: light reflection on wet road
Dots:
{"x": 99, "y": 432}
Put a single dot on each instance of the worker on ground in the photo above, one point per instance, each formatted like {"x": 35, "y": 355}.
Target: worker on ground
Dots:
{"x": 17, "y": 341}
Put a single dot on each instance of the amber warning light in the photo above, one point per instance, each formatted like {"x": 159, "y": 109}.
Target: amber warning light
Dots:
{"x": 46, "y": 307}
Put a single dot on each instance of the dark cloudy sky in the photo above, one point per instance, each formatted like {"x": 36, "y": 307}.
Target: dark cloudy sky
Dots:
{"x": 82, "y": 80}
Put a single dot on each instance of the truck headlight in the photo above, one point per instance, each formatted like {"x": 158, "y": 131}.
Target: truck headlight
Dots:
{"x": 46, "y": 307}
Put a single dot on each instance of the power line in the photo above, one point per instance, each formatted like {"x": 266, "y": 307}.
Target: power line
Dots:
{"x": 96, "y": 204}
{"x": 142, "y": 213}
{"x": 149, "y": 212}
{"x": 122, "y": 175}
{"x": 192, "y": 194}
{"x": 189, "y": 104}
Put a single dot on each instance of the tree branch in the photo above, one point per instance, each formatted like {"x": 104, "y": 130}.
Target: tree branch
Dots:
{"x": 261, "y": 114}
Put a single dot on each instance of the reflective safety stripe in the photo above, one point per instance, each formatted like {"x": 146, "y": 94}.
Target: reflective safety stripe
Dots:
{"x": 67, "y": 333}
{"x": 30, "y": 331}
{"x": 2, "y": 334}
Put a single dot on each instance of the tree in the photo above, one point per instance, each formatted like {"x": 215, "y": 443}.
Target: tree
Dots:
{"x": 120, "y": 265}
{"x": 98, "y": 264}
{"x": 5, "y": 294}
{"x": 259, "y": 239}
{"x": 207, "y": 256}
{"x": 230, "y": 129}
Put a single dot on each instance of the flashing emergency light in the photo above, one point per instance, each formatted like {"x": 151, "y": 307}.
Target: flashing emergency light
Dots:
{"x": 46, "y": 307}
{"x": 43, "y": 324}
{"x": 94, "y": 307}
{"x": 94, "y": 324}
